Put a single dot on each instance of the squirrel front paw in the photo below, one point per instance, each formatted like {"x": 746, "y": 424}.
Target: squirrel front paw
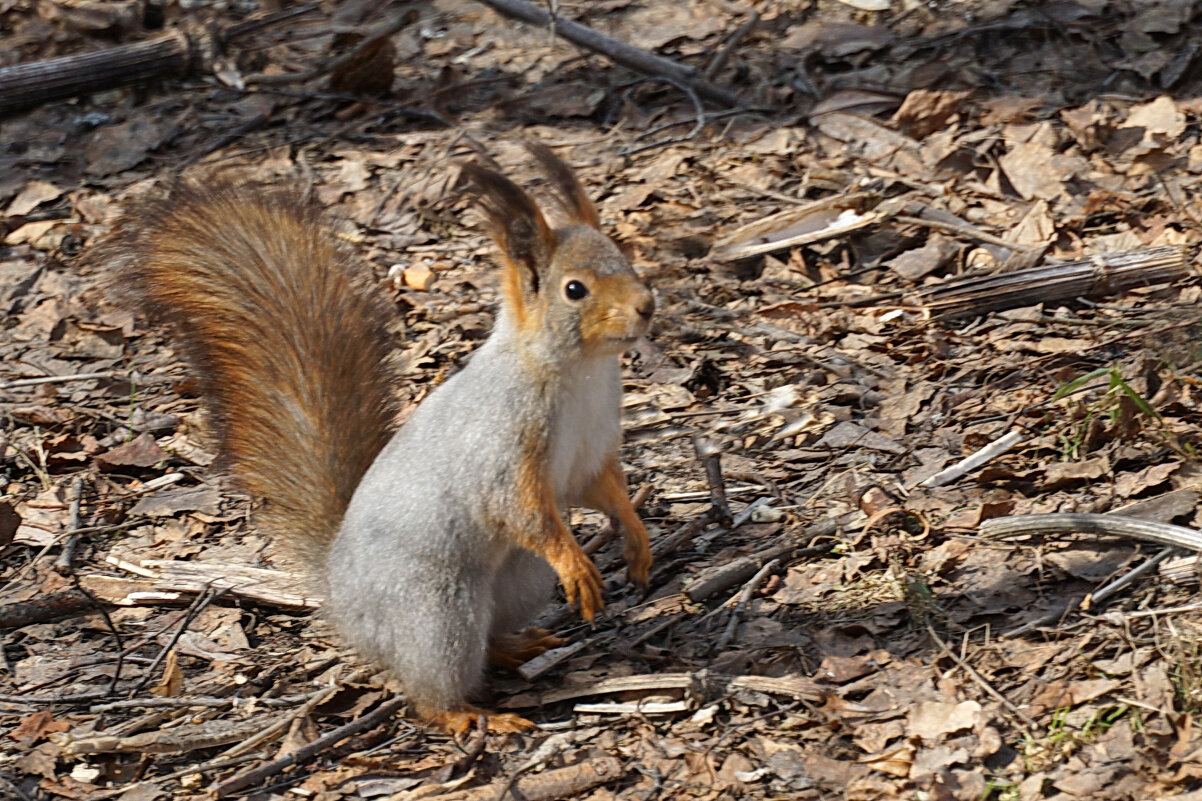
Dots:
{"x": 581, "y": 582}
{"x": 637, "y": 553}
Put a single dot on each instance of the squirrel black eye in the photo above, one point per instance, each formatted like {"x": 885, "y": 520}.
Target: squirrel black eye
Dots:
{"x": 575, "y": 290}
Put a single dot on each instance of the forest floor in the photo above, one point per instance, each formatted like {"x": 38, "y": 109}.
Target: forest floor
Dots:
{"x": 850, "y": 634}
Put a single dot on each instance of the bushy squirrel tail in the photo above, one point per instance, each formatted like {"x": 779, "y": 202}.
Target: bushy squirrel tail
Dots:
{"x": 287, "y": 342}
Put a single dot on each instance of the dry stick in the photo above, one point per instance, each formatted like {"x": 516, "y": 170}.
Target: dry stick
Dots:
{"x": 980, "y": 680}
{"x": 217, "y": 764}
{"x": 710, "y": 457}
{"x": 966, "y": 231}
{"x": 722, "y": 56}
{"x": 277, "y": 729}
{"x": 1172, "y": 610}
{"x": 1110, "y": 525}
{"x": 53, "y": 379}
{"x": 207, "y": 701}
{"x": 744, "y": 599}
{"x": 709, "y": 584}
{"x": 620, "y": 52}
{"x": 108, "y": 621}
{"x": 972, "y": 462}
{"x": 1045, "y": 619}
{"x": 369, "y": 40}
{"x": 202, "y": 601}
{"x": 698, "y": 108}
{"x": 308, "y": 750}
{"x": 62, "y": 565}
{"x": 77, "y": 698}
{"x": 1130, "y": 577}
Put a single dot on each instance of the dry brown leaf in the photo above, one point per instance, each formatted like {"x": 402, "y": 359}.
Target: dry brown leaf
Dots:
{"x": 933, "y": 720}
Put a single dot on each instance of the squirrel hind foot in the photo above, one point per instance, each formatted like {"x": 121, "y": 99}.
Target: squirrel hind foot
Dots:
{"x": 511, "y": 651}
{"x": 466, "y": 718}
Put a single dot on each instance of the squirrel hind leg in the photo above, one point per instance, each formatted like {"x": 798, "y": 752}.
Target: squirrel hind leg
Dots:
{"x": 523, "y": 587}
{"x": 457, "y": 721}
{"x": 511, "y": 651}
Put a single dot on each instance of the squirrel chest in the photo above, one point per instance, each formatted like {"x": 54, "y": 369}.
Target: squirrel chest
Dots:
{"x": 586, "y": 427}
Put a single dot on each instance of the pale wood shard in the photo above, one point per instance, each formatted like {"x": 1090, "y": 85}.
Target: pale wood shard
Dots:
{"x": 813, "y": 222}
{"x": 178, "y": 740}
{"x": 271, "y": 587}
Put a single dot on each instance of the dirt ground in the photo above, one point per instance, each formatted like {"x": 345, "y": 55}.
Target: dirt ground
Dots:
{"x": 850, "y": 634}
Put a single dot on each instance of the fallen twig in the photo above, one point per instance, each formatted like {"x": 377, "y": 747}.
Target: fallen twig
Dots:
{"x": 209, "y": 702}
{"x": 749, "y": 589}
{"x": 53, "y": 379}
{"x": 307, "y": 751}
{"x": 1027, "y": 720}
{"x": 966, "y": 231}
{"x": 370, "y": 39}
{"x": 62, "y": 565}
{"x": 620, "y": 52}
{"x": 710, "y": 457}
{"x": 201, "y": 602}
{"x": 975, "y": 460}
{"x": 722, "y": 56}
{"x": 177, "y": 740}
{"x": 1127, "y": 578}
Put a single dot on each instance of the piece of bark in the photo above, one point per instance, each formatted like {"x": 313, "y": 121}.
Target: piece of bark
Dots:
{"x": 1101, "y": 276}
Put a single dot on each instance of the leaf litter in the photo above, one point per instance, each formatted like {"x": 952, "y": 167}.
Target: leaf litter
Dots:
{"x": 853, "y": 637}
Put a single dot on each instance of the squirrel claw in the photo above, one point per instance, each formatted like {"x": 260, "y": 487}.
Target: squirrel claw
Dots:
{"x": 582, "y": 584}
{"x": 638, "y": 556}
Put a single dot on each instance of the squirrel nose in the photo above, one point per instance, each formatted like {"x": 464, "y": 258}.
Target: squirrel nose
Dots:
{"x": 646, "y": 307}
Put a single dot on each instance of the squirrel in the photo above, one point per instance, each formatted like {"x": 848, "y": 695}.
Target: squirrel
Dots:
{"x": 435, "y": 545}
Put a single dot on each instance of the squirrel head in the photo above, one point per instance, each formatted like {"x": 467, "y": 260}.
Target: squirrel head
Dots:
{"x": 568, "y": 289}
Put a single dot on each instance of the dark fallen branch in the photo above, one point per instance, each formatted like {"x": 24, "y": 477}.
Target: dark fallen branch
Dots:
{"x": 186, "y": 51}
{"x": 46, "y": 609}
{"x": 172, "y": 55}
{"x": 619, "y": 52}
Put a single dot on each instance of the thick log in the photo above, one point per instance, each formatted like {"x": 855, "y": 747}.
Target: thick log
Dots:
{"x": 172, "y": 55}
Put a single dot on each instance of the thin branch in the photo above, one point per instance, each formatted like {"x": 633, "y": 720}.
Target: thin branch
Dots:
{"x": 627, "y": 55}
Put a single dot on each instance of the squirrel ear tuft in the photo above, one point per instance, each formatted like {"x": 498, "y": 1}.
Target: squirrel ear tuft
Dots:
{"x": 515, "y": 223}
{"x": 565, "y": 184}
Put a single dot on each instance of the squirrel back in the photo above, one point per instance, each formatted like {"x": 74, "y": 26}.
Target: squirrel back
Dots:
{"x": 290, "y": 347}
